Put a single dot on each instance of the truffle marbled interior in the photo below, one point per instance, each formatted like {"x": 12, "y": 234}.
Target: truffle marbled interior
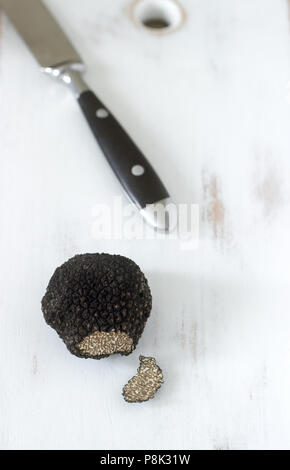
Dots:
{"x": 143, "y": 386}
{"x": 101, "y": 343}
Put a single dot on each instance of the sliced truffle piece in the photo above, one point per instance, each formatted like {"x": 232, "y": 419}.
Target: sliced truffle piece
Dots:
{"x": 98, "y": 304}
{"x": 143, "y": 386}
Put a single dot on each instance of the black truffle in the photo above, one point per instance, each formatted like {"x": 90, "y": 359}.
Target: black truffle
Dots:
{"x": 98, "y": 304}
{"x": 143, "y": 386}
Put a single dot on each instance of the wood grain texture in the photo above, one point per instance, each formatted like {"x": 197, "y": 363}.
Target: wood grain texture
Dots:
{"x": 209, "y": 107}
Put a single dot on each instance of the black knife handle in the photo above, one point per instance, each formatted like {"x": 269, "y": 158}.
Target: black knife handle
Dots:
{"x": 122, "y": 153}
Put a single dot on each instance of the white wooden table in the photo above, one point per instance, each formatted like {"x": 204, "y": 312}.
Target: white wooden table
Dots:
{"x": 209, "y": 105}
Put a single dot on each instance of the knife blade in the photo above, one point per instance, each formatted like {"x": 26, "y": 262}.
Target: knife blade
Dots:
{"x": 58, "y": 57}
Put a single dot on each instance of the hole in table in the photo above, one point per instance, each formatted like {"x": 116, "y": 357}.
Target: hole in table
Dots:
{"x": 159, "y": 16}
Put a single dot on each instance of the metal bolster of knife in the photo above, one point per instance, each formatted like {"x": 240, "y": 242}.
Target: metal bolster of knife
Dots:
{"x": 71, "y": 74}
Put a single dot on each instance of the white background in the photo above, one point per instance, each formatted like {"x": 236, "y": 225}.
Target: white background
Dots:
{"x": 209, "y": 106}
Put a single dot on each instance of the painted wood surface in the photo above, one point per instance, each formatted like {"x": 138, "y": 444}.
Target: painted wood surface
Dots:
{"x": 209, "y": 104}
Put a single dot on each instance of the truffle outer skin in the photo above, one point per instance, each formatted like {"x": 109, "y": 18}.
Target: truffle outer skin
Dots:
{"x": 97, "y": 292}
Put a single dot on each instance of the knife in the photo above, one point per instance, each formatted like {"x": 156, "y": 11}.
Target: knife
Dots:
{"x": 57, "y": 57}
